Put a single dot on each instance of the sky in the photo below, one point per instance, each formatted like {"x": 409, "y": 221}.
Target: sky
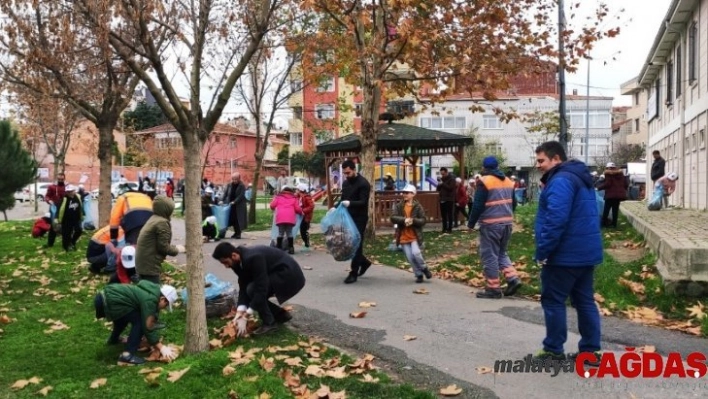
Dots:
{"x": 639, "y": 23}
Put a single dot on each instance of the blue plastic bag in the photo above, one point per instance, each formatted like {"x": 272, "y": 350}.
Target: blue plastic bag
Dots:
{"x": 111, "y": 263}
{"x": 274, "y": 227}
{"x": 342, "y": 238}
{"x": 215, "y": 287}
{"x": 656, "y": 198}
{"x": 88, "y": 217}
{"x": 600, "y": 203}
{"x": 221, "y": 212}
{"x": 520, "y": 194}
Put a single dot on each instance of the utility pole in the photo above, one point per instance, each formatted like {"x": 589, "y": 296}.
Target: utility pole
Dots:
{"x": 563, "y": 134}
{"x": 587, "y": 116}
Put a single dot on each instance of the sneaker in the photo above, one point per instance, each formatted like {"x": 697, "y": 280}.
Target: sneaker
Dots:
{"x": 489, "y": 294}
{"x": 284, "y": 317}
{"x": 419, "y": 279}
{"x": 265, "y": 329}
{"x": 126, "y": 359}
{"x": 546, "y": 355}
{"x": 590, "y": 363}
{"x": 363, "y": 268}
{"x": 427, "y": 273}
{"x": 512, "y": 286}
{"x": 291, "y": 251}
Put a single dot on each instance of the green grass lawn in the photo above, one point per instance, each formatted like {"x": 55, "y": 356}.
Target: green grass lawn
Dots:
{"x": 37, "y": 285}
{"x": 626, "y": 283}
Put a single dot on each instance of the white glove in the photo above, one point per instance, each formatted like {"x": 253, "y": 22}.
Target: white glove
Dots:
{"x": 346, "y": 204}
{"x": 181, "y": 249}
{"x": 240, "y": 323}
{"x": 409, "y": 221}
{"x": 167, "y": 352}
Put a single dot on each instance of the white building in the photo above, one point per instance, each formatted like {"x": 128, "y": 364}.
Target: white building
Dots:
{"x": 676, "y": 80}
{"x": 512, "y": 138}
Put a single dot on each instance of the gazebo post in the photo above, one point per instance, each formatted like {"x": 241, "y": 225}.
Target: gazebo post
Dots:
{"x": 328, "y": 162}
{"x": 461, "y": 160}
{"x": 414, "y": 162}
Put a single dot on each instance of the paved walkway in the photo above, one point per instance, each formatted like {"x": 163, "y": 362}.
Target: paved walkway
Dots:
{"x": 679, "y": 237}
{"x": 456, "y": 333}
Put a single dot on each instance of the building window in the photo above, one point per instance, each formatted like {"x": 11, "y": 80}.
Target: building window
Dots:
{"x": 324, "y": 111}
{"x": 576, "y": 120}
{"x": 686, "y": 145}
{"x": 636, "y": 98}
{"x": 636, "y": 125}
{"x": 295, "y": 138}
{"x": 703, "y": 138}
{"x": 491, "y": 122}
{"x": 692, "y": 52}
{"x": 675, "y": 152}
{"x": 693, "y": 141}
{"x": 447, "y": 122}
{"x": 598, "y": 120}
{"x": 297, "y": 113}
{"x": 401, "y": 107}
{"x": 679, "y": 62}
{"x": 324, "y": 57}
{"x": 295, "y": 85}
{"x": 669, "y": 84}
{"x": 323, "y": 135}
{"x": 326, "y": 85}
{"x": 232, "y": 142}
{"x": 493, "y": 148}
{"x": 358, "y": 110}
{"x": 167, "y": 140}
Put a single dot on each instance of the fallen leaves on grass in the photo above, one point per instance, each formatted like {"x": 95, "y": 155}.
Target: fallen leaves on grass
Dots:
{"x": 97, "y": 383}
{"x": 369, "y": 378}
{"x": 45, "y": 391}
{"x": 635, "y": 287}
{"x": 325, "y": 393}
{"x": 4, "y": 319}
{"x": 293, "y": 361}
{"x": 409, "y": 337}
{"x": 697, "y": 311}
{"x": 357, "y": 315}
{"x": 484, "y": 370}
{"x": 55, "y": 325}
{"x": 173, "y": 376}
{"x": 367, "y": 304}
{"x": 228, "y": 370}
{"x": 450, "y": 390}
{"x": 21, "y": 384}
{"x": 156, "y": 356}
{"x": 314, "y": 370}
{"x": 422, "y": 291}
{"x": 644, "y": 315}
{"x": 290, "y": 379}
{"x": 267, "y": 364}
{"x": 215, "y": 343}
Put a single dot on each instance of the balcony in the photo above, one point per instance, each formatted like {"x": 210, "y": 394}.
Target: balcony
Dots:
{"x": 295, "y": 99}
{"x": 295, "y": 125}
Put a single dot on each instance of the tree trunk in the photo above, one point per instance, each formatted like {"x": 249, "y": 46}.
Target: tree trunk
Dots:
{"x": 5, "y": 214}
{"x": 254, "y": 191}
{"x": 196, "y": 336}
{"x": 369, "y": 132}
{"x": 105, "y": 158}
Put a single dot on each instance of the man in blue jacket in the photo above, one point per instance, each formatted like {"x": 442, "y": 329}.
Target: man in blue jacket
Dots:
{"x": 568, "y": 246}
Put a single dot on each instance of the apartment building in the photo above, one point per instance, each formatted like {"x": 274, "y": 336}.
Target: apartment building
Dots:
{"x": 675, "y": 79}
{"x": 636, "y": 113}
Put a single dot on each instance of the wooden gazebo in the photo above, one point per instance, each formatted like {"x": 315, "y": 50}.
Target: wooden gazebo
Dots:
{"x": 397, "y": 140}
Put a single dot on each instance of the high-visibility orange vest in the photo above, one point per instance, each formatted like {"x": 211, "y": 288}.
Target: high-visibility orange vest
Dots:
{"x": 498, "y": 208}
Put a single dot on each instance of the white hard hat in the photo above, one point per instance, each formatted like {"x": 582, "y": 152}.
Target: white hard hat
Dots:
{"x": 170, "y": 293}
{"x": 409, "y": 188}
{"x": 672, "y": 176}
{"x": 302, "y": 187}
{"x": 611, "y": 165}
{"x": 127, "y": 257}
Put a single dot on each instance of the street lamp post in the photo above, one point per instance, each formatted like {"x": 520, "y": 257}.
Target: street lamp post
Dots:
{"x": 563, "y": 134}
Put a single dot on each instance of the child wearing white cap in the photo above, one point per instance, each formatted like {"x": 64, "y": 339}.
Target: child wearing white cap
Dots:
{"x": 137, "y": 305}
{"x": 409, "y": 218}
{"x": 210, "y": 229}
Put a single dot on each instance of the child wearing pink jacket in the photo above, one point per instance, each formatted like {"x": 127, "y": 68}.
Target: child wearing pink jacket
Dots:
{"x": 286, "y": 206}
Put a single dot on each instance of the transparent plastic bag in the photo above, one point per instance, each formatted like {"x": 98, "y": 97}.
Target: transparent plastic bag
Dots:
{"x": 341, "y": 235}
{"x": 88, "y": 215}
{"x": 221, "y": 212}
{"x": 656, "y": 198}
{"x": 600, "y": 204}
{"x": 214, "y": 287}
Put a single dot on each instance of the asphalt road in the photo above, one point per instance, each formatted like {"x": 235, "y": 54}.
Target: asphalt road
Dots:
{"x": 456, "y": 333}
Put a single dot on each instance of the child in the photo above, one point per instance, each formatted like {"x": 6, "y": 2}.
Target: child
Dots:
{"x": 42, "y": 225}
{"x": 308, "y": 208}
{"x": 210, "y": 229}
{"x": 207, "y": 202}
{"x": 125, "y": 267}
{"x": 409, "y": 216}
{"x": 71, "y": 214}
{"x": 286, "y": 206}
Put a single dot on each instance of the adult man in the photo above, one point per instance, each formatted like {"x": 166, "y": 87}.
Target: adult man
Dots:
{"x": 446, "y": 189}
{"x": 235, "y": 194}
{"x": 154, "y": 242}
{"x": 493, "y": 208}
{"x": 138, "y": 306}
{"x": 657, "y": 167}
{"x": 282, "y": 182}
{"x": 262, "y": 272}
{"x": 355, "y": 197}
{"x": 100, "y": 250}
{"x": 568, "y": 246}
{"x": 130, "y": 212}
{"x": 53, "y": 196}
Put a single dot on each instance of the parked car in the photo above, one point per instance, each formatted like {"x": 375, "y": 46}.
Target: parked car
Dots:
{"x": 23, "y": 194}
{"x": 114, "y": 189}
{"x": 41, "y": 190}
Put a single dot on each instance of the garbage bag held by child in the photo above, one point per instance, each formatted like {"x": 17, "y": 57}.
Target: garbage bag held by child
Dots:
{"x": 274, "y": 227}
{"x": 656, "y": 198}
{"x": 341, "y": 235}
{"x": 222, "y": 217}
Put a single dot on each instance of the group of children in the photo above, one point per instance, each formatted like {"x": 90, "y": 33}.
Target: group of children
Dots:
{"x": 65, "y": 217}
